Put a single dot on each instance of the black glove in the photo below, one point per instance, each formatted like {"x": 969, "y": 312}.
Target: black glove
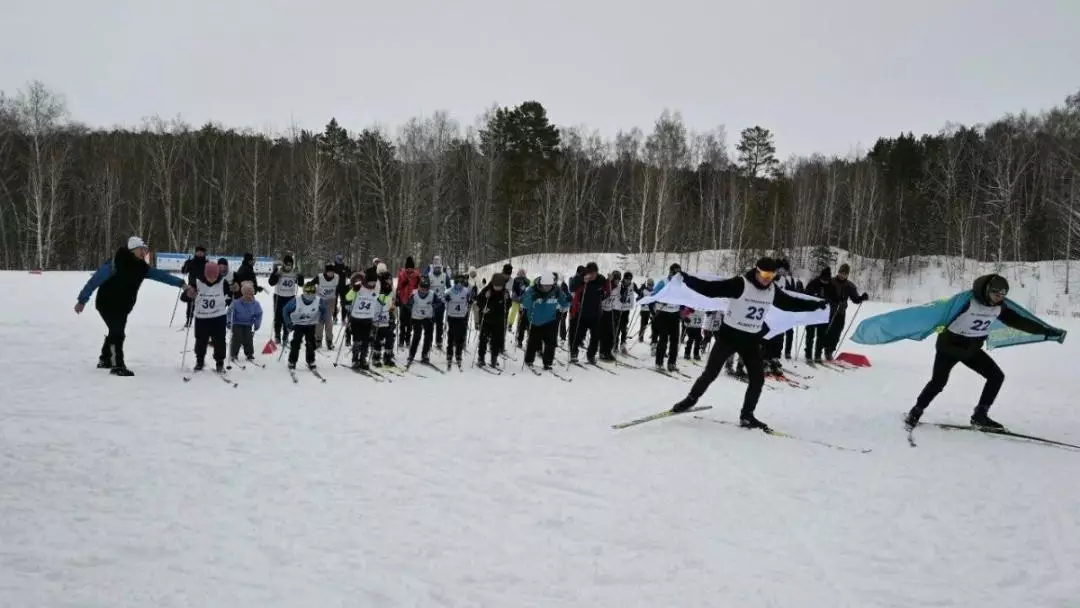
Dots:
{"x": 259, "y": 289}
{"x": 1054, "y": 333}
{"x": 822, "y": 304}
{"x": 864, "y": 297}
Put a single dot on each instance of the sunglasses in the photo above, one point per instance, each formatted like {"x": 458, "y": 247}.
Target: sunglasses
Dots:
{"x": 766, "y": 274}
{"x": 999, "y": 292}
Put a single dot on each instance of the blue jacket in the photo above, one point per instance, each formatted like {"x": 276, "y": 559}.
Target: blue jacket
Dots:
{"x": 108, "y": 271}
{"x": 324, "y": 312}
{"x": 247, "y": 313}
{"x": 542, "y": 307}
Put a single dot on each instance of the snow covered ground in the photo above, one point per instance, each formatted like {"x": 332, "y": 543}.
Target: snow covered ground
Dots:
{"x": 475, "y": 490}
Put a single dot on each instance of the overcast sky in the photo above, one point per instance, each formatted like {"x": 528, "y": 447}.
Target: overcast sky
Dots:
{"x": 823, "y": 75}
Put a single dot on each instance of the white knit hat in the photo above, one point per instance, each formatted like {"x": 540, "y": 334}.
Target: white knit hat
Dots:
{"x": 135, "y": 243}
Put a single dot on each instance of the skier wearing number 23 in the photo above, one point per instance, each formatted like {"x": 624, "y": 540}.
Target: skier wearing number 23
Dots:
{"x": 752, "y": 295}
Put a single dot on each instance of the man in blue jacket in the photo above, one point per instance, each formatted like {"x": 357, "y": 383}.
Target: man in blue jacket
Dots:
{"x": 543, "y": 301}
{"x": 117, "y": 283}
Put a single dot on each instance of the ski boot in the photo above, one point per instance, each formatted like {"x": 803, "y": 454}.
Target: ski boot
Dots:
{"x": 311, "y": 366}
{"x": 121, "y": 371}
{"x": 199, "y": 366}
{"x": 748, "y": 421}
{"x": 104, "y": 363}
{"x": 220, "y": 367}
{"x": 912, "y": 419}
{"x": 672, "y": 368}
{"x": 981, "y": 421}
{"x": 683, "y": 405}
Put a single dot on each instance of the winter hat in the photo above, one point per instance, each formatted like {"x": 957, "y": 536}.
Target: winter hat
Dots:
{"x": 547, "y": 279}
{"x": 380, "y": 268}
{"x": 339, "y": 259}
{"x": 409, "y": 262}
{"x": 844, "y": 269}
{"x": 288, "y": 259}
{"x": 825, "y": 274}
{"x": 136, "y": 243}
{"x": 498, "y": 279}
{"x": 425, "y": 282}
{"x": 508, "y": 269}
{"x": 223, "y": 262}
{"x": 591, "y": 267}
{"x": 198, "y": 249}
{"x": 674, "y": 268}
{"x": 371, "y": 275}
{"x": 628, "y": 276}
{"x": 580, "y": 270}
{"x": 248, "y": 258}
{"x": 767, "y": 264}
{"x": 311, "y": 286}
{"x": 330, "y": 268}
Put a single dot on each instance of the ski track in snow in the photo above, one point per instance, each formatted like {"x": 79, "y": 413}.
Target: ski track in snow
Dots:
{"x": 467, "y": 490}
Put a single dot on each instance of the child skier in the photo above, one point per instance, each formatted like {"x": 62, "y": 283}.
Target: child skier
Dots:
{"x": 210, "y": 316}
{"x": 301, "y": 315}
{"x": 364, "y": 304}
{"x": 440, "y": 282}
{"x": 494, "y": 304}
{"x": 284, "y": 280}
{"x": 458, "y": 302}
{"x": 327, "y": 290}
{"x": 382, "y": 352}
{"x": 422, "y": 305}
{"x": 694, "y": 325}
{"x": 543, "y": 301}
{"x": 244, "y": 319}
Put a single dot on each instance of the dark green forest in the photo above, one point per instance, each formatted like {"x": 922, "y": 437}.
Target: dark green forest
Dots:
{"x": 520, "y": 184}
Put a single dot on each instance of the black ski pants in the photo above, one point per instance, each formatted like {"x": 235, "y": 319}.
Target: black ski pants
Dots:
{"x": 812, "y": 332}
{"x": 305, "y": 334}
{"x": 582, "y": 325}
{"x": 607, "y": 329}
{"x": 493, "y": 334}
{"x": 789, "y": 341}
{"x": 457, "y": 328}
{"x": 242, "y": 336}
{"x": 645, "y": 315}
{"x": 361, "y": 330}
{"x": 206, "y": 330}
{"x": 667, "y": 327}
{"x": 404, "y": 325}
{"x": 693, "y": 343}
{"x": 440, "y": 316}
{"x": 112, "y": 349}
{"x": 280, "y": 332}
{"x": 383, "y": 348}
{"x": 978, "y": 362}
{"x": 832, "y": 334}
{"x": 421, "y": 328}
{"x": 542, "y": 336}
{"x": 747, "y": 346}
{"x": 774, "y": 346}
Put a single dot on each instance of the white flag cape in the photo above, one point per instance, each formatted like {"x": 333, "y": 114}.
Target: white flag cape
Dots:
{"x": 779, "y": 321}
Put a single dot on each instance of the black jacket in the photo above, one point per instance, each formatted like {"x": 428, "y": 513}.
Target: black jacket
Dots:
{"x": 193, "y": 268}
{"x": 117, "y": 295}
{"x": 494, "y": 306}
{"x": 246, "y": 272}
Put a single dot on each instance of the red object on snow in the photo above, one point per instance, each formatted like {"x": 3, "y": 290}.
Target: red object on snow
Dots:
{"x": 35, "y": 271}
{"x": 854, "y": 359}
{"x": 270, "y": 347}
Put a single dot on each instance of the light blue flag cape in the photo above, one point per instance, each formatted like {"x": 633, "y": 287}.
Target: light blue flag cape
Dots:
{"x": 918, "y": 322}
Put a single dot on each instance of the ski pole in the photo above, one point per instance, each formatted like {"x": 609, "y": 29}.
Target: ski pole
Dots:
{"x": 175, "y": 306}
{"x": 848, "y": 328}
{"x": 183, "y": 357}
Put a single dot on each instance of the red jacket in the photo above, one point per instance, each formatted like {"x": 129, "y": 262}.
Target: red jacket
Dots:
{"x": 408, "y": 281}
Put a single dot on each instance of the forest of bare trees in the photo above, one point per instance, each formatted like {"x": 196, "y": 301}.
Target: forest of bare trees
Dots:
{"x": 516, "y": 184}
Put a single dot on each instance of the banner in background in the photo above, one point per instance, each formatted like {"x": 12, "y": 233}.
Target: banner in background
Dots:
{"x": 173, "y": 262}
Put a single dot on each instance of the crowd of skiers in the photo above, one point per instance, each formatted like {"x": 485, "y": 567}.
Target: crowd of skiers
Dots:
{"x": 432, "y": 305}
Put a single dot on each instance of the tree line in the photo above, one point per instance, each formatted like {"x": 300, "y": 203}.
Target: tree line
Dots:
{"x": 515, "y": 184}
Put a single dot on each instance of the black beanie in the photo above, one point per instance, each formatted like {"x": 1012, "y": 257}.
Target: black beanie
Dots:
{"x": 766, "y": 264}
{"x": 409, "y": 262}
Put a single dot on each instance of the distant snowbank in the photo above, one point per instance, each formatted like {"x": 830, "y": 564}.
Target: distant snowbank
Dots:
{"x": 1039, "y": 286}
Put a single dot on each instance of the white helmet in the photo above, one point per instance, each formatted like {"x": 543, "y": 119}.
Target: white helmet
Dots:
{"x": 547, "y": 279}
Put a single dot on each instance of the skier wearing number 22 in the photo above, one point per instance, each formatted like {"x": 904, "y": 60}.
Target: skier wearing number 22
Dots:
{"x": 752, "y": 295}
{"x": 211, "y": 308}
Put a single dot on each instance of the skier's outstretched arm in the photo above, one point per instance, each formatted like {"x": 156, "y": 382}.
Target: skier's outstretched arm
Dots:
{"x": 783, "y": 301}
{"x": 727, "y": 288}
{"x": 1019, "y": 322}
